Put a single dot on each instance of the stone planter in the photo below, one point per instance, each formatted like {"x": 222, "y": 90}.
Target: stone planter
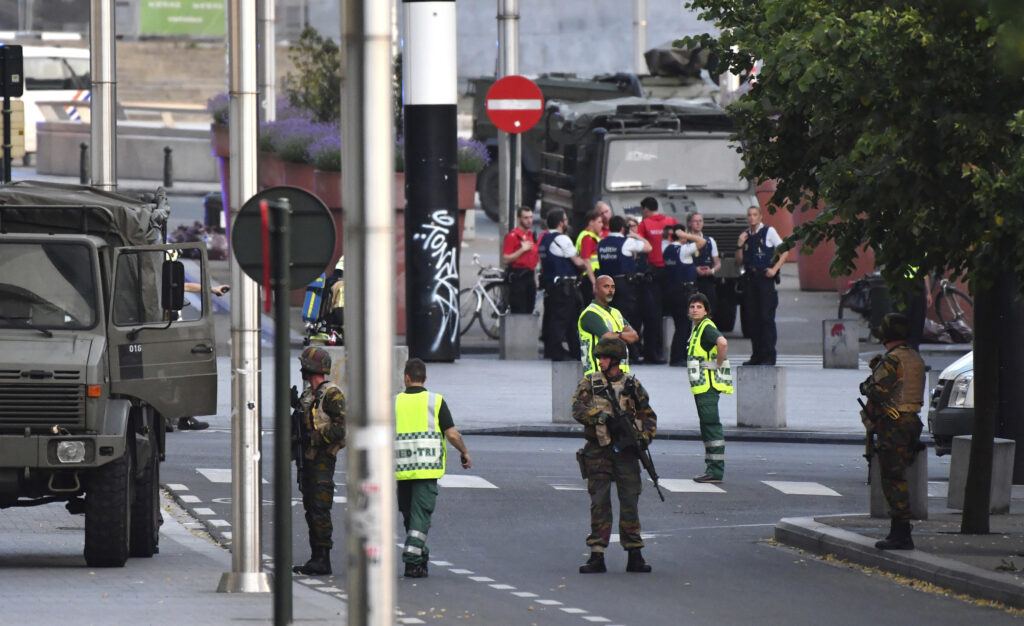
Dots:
{"x": 813, "y": 268}
{"x": 327, "y": 187}
{"x": 271, "y": 170}
{"x": 467, "y": 191}
{"x": 298, "y": 175}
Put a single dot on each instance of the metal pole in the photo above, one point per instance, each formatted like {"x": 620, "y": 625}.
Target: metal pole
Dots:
{"x": 103, "y": 95}
{"x": 268, "y": 59}
{"x": 6, "y": 120}
{"x": 245, "y": 574}
{"x": 509, "y": 144}
{"x": 281, "y": 252}
{"x": 168, "y": 167}
{"x": 639, "y": 36}
{"x": 368, "y": 159}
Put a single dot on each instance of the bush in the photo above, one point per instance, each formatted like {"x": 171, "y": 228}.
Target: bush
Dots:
{"x": 218, "y": 107}
{"x": 291, "y": 138}
{"x": 325, "y": 153}
{"x": 317, "y": 86}
{"x": 472, "y": 156}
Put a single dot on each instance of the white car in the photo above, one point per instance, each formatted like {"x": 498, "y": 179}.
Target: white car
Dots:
{"x": 54, "y": 74}
{"x": 952, "y": 404}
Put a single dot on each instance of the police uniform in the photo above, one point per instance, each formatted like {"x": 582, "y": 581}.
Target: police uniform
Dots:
{"x": 707, "y": 284}
{"x": 895, "y": 390}
{"x": 323, "y": 411}
{"x": 594, "y": 322}
{"x": 680, "y": 284}
{"x": 760, "y": 299}
{"x": 604, "y": 465}
{"x": 422, "y": 417}
{"x": 561, "y": 298}
{"x": 617, "y": 255}
{"x": 706, "y": 385}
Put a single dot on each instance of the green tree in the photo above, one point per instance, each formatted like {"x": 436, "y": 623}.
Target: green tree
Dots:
{"x": 316, "y": 87}
{"x": 904, "y": 118}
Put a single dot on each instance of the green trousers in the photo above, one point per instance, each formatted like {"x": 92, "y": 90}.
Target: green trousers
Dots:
{"x": 897, "y": 446}
{"x": 318, "y": 497}
{"x": 711, "y": 432}
{"x": 416, "y": 501}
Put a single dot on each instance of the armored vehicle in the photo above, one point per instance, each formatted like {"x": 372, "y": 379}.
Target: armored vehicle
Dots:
{"x": 677, "y": 150}
{"x": 97, "y": 347}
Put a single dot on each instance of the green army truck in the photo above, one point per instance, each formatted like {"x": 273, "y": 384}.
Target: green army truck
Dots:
{"x": 677, "y": 150}
{"x": 98, "y": 345}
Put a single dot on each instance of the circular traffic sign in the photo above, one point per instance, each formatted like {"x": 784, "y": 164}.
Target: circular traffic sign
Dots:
{"x": 311, "y": 241}
{"x": 515, "y": 104}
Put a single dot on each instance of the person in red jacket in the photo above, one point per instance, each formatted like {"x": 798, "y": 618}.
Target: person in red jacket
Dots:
{"x": 519, "y": 254}
{"x": 652, "y": 228}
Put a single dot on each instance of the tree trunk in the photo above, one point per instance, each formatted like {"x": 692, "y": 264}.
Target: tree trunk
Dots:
{"x": 975, "y": 518}
{"x": 1011, "y": 370}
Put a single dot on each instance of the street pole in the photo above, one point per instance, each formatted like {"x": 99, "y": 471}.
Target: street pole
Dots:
{"x": 245, "y": 575}
{"x": 509, "y": 144}
{"x": 368, "y": 160}
{"x": 639, "y": 37}
{"x": 430, "y": 82}
{"x": 268, "y": 60}
{"x": 103, "y": 95}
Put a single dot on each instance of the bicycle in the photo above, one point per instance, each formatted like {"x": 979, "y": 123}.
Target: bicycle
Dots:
{"x": 857, "y": 298}
{"x": 955, "y": 311}
{"x": 486, "y": 301}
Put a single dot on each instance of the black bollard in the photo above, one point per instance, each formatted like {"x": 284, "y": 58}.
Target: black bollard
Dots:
{"x": 83, "y": 164}
{"x": 168, "y": 168}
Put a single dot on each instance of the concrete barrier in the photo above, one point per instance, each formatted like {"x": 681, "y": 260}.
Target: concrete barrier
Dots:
{"x": 1002, "y": 473}
{"x": 519, "y": 332}
{"x": 839, "y": 345}
{"x": 338, "y": 374}
{"x": 760, "y": 396}
{"x": 565, "y": 376}
{"x": 917, "y": 484}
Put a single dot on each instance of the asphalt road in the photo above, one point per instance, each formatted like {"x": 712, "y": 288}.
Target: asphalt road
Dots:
{"x": 509, "y": 534}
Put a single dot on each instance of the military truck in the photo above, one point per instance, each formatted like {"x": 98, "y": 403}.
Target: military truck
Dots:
{"x": 677, "y": 150}
{"x": 97, "y": 347}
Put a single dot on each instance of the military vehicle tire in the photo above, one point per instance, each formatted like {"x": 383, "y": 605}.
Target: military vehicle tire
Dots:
{"x": 108, "y": 512}
{"x": 146, "y": 518}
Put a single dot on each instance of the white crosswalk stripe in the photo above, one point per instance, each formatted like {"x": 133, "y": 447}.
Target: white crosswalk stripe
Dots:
{"x": 687, "y": 485}
{"x": 219, "y": 475}
{"x": 798, "y": 488}
{"x": 791, "y": 360}
{"x": 451, "y": 481}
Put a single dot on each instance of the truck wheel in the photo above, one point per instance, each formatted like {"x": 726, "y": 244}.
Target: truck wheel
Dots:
{"x": 487, "y": 187}
{"x": 725, "y": 314}
{"x": 146, "y": 518}
{"x": 108, "y": 512}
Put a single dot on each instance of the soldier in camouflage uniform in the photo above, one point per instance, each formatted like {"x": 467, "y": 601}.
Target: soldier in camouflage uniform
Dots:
{"x": 895, "y": 390}
{"x": 323, "y": 435}
{"x": 604, "y": 460}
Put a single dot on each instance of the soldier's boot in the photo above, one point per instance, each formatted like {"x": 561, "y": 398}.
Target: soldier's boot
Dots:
{"x": 594, "y": 565}
{"x": 318, "y": 565}
{"x": 892, "y": 528}
{"x": 900, "y": 539}
{"x": 636, "y": 562}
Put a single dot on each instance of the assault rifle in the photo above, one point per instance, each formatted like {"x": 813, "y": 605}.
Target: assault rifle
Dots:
{"x": 299, "y": 435}
{"x": 869, "y": 436}
{"x": 625, "y": 435}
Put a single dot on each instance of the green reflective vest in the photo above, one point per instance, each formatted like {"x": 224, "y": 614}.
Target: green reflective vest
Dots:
{"x": 419, "y": 445}
{"x": 613, "y": 320}
{"x": 702, "y": 380}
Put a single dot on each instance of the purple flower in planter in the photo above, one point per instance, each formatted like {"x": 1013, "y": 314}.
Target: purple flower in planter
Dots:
{"x": 472, "y": 156}
{"x": 325, "y": 152}
{"x": 218, "y": 106}
{"x": 291, "y": 138}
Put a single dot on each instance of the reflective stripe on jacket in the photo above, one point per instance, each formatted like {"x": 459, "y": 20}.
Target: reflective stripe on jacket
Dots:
{"x": 702, "y": 380}
{"x": 613, "y": 320}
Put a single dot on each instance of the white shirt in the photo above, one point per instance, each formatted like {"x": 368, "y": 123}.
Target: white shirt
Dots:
{"x": 687, "y": 254}
{"x": 562, "y": 246}
{"x": 771, "y": 237}
{"x": 631, "y": 247}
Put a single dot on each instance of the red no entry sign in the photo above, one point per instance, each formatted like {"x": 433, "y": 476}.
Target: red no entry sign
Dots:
{"x": 515, "y": 104}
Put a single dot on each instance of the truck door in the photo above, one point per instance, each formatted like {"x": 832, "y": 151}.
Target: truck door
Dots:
{"x": 164, "y": 357}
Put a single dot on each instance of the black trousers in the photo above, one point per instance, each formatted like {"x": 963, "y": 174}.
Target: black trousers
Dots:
{"x": 652, "y": 304}
{"x": 709, "y": 287}
{"x": 561, "y": 314}
{"x": 760, "y": 299}
{"x": 626, "y": 301}
{"x": 522, "y": 290}
{"x": 677, "y": 297}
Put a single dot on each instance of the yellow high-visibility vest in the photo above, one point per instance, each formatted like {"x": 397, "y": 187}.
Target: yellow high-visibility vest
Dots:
{"x": 702, "y": 380}
{"x": 613, "y": 319}
{"x": 420, "y": 451}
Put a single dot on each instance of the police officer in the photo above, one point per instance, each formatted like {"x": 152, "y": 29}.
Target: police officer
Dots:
{"x": 709, "y": 375}
{"x": 604, "y": 460}
{"x": 895, "y": 390}
{"x": 680, "y": 284}
{"x": 599, "y": 320}
{"x": 617, "y": 254}
{"x": 755, "y": 251}
{"x": 323, "y": 434}
{"x": 707, "y": 261}
{"x": 423, "y": 422}
{"x": 558, "y": 263}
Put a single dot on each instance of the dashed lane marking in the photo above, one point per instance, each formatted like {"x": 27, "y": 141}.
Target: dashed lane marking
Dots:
{"x": 177, "y": 487}
{"x": 798, "y": 488}
{"x": 189, "y": 499}
{"x": 481, "y": 579}
{"x": 565, "y": 487}
{"x": 215, "y": 475}
{"x": 686, "y": 485}
{"x": 203, "y": 511}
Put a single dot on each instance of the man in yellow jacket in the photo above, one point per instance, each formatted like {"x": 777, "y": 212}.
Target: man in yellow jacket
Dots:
{"x": 421, "y": 418}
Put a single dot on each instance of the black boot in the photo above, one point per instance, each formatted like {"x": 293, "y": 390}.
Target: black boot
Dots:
{"x": 899, "y": 539}
{"x": 892, "y": 529}
{"x": 416, "y": 570}
{"x": 636, "y": 562}
{"x": 191, "y": 423}
{"x": 318, "y": 565}
{"x": 594, "y": 565}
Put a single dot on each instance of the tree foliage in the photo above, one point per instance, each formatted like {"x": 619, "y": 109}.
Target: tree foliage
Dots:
{"x": 316, "y": 87}
{"x": 902, "y": 116}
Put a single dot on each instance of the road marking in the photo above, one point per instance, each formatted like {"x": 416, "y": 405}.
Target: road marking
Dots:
{"x": 549, "y": 602}
{"x": 481, "y": 579}
{"x": 460, "y": 571}
{"x": 203, "y": 511}
{"x": 937, "y": 489}
{"x": 219, "y": 475}
{"x": 464, "y": 482}
{"x": 573, "y": 610}
{"x": 439, "y": 563}
{"x": 615, "y": 537}
{"x": 562, "y": 487}
{"x": 220, "y": 523}
{"x": 686, "y": 485}
{"x": 524, "y": 594}
{"x": 410, "y": 620}
{"x": 798, "y": 488}
{"x": 340, "y": 499}
{"x": 501, "y": 587}
{"x": 312, "y": 582}
{"x": 595, "y": 618}
{"x": 176, "y": 487}
{"x": 189, "y": 499}
{"x": 330, "y": 590}
{"x": 227, "y": 535}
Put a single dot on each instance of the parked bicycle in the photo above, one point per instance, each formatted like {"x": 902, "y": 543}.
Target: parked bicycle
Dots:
{"x": 486, "y": 301}
{"x": 955, "y": 311}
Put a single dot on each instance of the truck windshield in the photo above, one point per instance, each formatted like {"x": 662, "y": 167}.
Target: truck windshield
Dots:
{"x": 673, "y": 163}
{"x": 56, "y": 73}
{"x": 47, "y": 286}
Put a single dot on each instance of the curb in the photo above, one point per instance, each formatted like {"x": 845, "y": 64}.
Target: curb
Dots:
{"x": 813, "y": 536}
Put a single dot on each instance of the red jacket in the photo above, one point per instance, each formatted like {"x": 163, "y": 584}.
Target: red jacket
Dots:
{"x": 650, "y": 229}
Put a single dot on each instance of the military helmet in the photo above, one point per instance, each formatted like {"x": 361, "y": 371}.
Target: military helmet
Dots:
{"x": 610, "y": 347}
{"x": 314, "y": 360}
{"x": 894, "y": 327}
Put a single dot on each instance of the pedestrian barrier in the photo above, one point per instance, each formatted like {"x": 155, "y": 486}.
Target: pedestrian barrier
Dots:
{"x": 760, "y": 396}
{"x": 917, "y": 484}
{"x": 519, "y": 332}
{"x": 1002, "y": 473}
{"x": 565, "y": 376}
{"x": 839, "y": 344}
{"x": 338, "y": 367}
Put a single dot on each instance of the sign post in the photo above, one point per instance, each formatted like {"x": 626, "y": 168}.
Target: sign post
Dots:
{"x": 514, "y": 104}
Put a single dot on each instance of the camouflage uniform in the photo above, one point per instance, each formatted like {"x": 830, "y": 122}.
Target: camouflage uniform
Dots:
{"x": 603, "y": 464}
{"x": 895, "y": 390}
{"x": 323, "y": 412}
